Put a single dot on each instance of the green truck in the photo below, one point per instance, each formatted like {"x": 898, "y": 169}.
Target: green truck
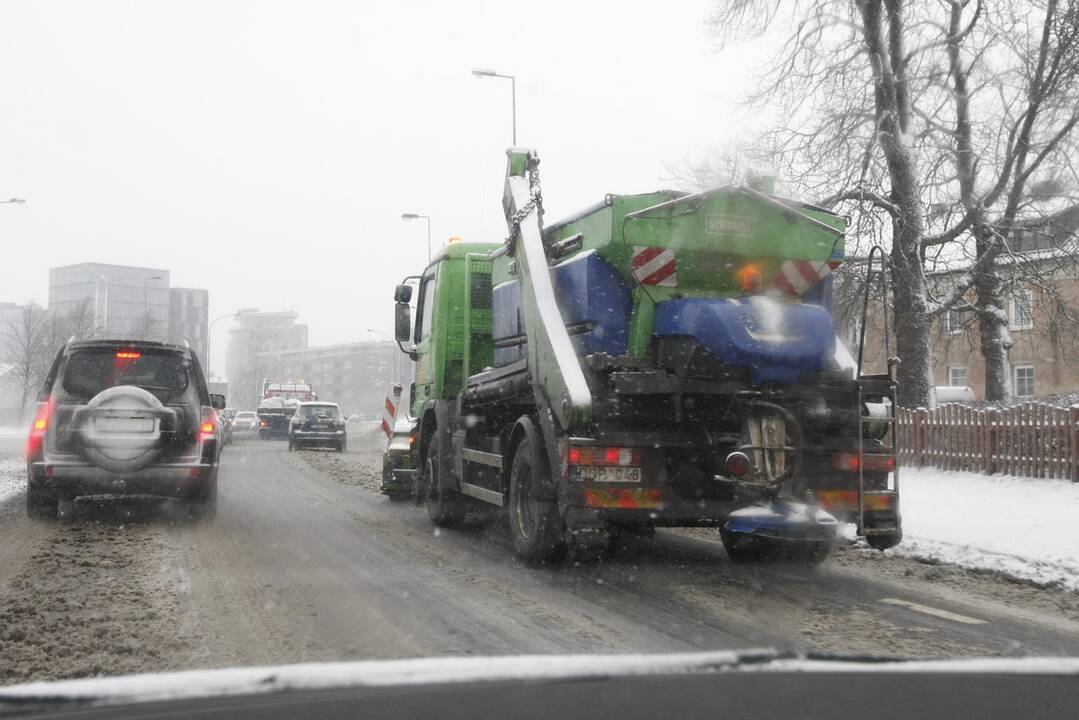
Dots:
{"x": 662, "y": 359}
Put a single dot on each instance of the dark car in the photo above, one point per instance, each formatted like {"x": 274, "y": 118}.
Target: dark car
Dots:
{"x": 120, "y": 419}
{"x": 318, "y": 424}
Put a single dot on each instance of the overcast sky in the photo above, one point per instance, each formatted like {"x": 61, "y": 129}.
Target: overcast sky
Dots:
{"x": 265, "y": 150}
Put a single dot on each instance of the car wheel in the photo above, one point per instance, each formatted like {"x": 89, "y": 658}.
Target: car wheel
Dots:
{"x": 205, "y": 506}
{"x": 342, "y": 446}
{"x": 445, "y": 506}
{"x": 40, "y": 504}
{"x": 291, "y": 445}
{"x": 535, "y": 525}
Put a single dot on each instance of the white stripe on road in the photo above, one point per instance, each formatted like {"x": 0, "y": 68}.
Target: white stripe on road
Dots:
{"x": 936, "y": 612}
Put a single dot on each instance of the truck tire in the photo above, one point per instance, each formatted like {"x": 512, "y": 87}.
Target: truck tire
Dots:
{"x": 535, "y": 525}
{"x": 445, "y": 506}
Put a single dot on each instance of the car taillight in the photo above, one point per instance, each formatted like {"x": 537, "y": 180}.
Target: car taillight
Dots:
{"x": 610, "y": 456}
{"x": 870, "y": 463}
{"x": 37, "y": 429}
{"x": 208, "y": 425}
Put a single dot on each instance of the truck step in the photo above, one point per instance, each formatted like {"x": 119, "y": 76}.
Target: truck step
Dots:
{"x": 481, "y": 493}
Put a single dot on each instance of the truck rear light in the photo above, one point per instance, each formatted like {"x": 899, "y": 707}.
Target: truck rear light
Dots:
{"x": 848, "y": 462}
{"x": 737, "y": 464}
{"x": 609, "y": 456}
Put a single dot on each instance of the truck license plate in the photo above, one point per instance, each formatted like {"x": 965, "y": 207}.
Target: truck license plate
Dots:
{"x": 609, "y": 474}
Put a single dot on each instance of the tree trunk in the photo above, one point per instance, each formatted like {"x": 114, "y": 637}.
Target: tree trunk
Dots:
{"x": 992, "y": 323}
{"x": 912, "y": 329}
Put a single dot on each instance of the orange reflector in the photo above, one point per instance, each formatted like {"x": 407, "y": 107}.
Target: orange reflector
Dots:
{"x": 40, "y": 424}
{"x": 848, "y": 500}
{"x": 208, "y": 427}
{"x": 871, "y": 463}
{"x": 626, "y": 498}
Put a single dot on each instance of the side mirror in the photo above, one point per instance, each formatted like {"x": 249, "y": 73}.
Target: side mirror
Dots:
{"x": 217, "y": 401}
{"x": 402, "y": 294}
{"x": 402, "y": 320}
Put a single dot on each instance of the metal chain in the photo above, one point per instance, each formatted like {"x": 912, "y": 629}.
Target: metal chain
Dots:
{"x": 534, "y": 203}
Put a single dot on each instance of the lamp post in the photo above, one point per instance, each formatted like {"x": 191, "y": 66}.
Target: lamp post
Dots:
{"x": 485, "y": 72}
{"x": 414, "y": 216}
{"x": 209, "y": 336}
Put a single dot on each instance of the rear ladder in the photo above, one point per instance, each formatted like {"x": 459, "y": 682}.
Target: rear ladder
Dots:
{"x": 877, "y": 389}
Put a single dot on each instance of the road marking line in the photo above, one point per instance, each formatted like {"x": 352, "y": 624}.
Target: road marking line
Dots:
{"x": 936, "y": 612}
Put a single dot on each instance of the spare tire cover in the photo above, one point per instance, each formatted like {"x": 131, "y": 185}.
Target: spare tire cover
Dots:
{"x": 122, "y": 451}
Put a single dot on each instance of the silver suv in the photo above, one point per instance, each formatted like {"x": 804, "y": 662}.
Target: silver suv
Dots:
{"x": 120, "y": 419}
{"x": 319, "y": 424}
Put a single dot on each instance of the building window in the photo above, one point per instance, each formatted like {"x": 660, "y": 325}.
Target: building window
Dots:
{"x": 1023, "y": 380}
{"x": 955, "y": 322}
{"x": 1022, "y": 309}
{"x": 957, "y": 376}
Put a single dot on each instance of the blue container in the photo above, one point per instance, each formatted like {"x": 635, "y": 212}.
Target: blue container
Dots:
{"x": 593, "y": 298}
{"x": 776, "y": 341}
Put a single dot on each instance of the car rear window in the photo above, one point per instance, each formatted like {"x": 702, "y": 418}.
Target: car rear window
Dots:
{"x": 89, "y": 371}
{"x": 318, "y": 411}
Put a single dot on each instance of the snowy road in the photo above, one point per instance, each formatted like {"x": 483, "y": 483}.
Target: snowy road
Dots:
{"x": 306, "y": 561}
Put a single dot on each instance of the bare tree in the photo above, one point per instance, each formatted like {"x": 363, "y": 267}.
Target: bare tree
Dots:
{"x": 25, "y": 344}
{"x": 927, "y": 121}
{"x": 79, "y": 322}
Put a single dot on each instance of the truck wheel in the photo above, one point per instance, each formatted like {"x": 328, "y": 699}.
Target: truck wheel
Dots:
{"x": 535, "y": 524}
{"x": 342, "y": 446}
{"x": 445, "y": 506}
{"x": 880, "y": 542}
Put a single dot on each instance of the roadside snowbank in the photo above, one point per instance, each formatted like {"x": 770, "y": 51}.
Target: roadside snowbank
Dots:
{"x": 1021, "y": 528}
{"x": 12, "y": 478}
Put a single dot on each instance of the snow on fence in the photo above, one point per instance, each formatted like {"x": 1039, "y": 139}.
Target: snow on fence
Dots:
{"x": 1029, "y": 440}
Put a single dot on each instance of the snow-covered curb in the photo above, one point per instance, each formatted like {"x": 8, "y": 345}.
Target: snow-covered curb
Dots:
{"x": 382, "y": 673}
{"x": 1019, "y": 527}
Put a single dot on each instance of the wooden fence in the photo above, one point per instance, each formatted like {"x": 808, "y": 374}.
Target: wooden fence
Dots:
{"x": 1029, "y": 440}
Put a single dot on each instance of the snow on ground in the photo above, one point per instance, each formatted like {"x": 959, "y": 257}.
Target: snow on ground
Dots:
{"x": 12, "y": 477}
{"x": 1019, "y": 527}
{"x": 13, "y": 432}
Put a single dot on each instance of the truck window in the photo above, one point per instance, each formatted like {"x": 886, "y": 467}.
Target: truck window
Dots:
{"x": 426, "y": 308}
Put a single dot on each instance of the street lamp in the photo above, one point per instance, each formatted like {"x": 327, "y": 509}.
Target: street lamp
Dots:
{"x": 12, "y": 201}
{"x": 485, "y": 72}
{"x": 209, "y": 336}
{"x": 414, "y": 216}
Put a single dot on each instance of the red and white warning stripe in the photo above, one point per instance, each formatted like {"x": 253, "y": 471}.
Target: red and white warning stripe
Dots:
{"x": 389, "y": 414}
{"x": 796, "y": 276}
{"x": 654, "y": 266}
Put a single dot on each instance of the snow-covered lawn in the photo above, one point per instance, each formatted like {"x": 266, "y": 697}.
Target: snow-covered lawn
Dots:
{"x": 1019, "y": 527}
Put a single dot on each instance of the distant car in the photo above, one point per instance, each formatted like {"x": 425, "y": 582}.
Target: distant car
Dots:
{"x": 245, "y": 424}
{"x": 318, "y": 424}
{"x": 123, "y": 418}
{"x": 226, "y": 416}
